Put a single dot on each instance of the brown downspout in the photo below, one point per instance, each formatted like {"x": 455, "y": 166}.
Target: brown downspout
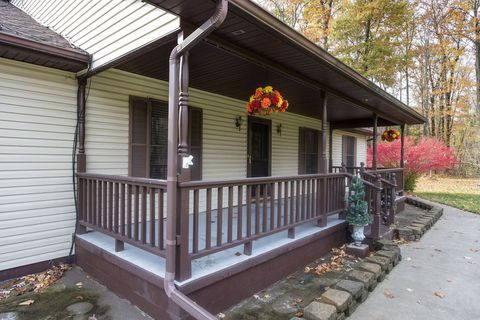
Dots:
{"x": 171, "y": 290}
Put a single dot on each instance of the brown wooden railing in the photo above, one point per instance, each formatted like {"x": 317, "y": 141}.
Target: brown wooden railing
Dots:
{"x": 213, "y": 215}
{"x": 239, "y": 211}
{"x": 129, "y": 209}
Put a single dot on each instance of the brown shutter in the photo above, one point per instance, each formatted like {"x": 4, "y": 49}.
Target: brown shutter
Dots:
{"x": 195, "y": 141}
{"x": 159, "y": 139}
{"x": 139, "y": 155}
{"x": 301, "y": 150}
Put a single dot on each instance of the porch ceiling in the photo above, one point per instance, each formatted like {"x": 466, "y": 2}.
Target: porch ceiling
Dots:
{"x": 252, "y": 48}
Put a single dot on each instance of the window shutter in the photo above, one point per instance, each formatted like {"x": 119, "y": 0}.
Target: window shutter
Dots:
{"x": 159, "y": 137}
{"x": 301, "y": 151}
{"x": 195, "y": 141}
{"x": 138, "y": 137}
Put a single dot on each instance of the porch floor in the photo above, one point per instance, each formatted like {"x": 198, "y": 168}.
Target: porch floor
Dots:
{"x": 211, "y": 263}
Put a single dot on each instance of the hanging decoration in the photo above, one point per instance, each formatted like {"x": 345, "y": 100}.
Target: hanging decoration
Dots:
{"x": 390, "y": 135}
{"x": 266, "y": 101}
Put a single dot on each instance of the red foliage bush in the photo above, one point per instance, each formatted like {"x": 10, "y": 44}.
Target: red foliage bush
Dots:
{"x": 428, "y": 154}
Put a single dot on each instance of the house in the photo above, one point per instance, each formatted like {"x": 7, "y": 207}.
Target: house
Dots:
{"x": 135, "y": 91}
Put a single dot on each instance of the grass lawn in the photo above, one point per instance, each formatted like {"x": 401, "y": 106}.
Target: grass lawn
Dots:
{"x": 456, "y": 192}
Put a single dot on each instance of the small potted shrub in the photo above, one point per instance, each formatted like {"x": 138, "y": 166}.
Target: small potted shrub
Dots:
{"x": 357, "y": 211}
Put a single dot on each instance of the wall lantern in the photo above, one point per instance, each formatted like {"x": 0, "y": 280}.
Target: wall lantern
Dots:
{"x": 238, "y": 123}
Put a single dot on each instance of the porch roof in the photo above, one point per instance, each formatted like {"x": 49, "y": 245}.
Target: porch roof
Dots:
{"x": 24, "y": 39}
{"x": 253, "y": 48}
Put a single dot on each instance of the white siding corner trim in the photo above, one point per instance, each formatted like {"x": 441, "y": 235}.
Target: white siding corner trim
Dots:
{"x": 37, "y": 124}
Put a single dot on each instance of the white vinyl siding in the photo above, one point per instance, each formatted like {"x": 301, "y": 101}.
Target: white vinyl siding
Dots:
{"x": 37, "y": 123}
{"x": 106, "y": 29}
{"x": 224, "y": 146}
{"x": 361, "y": 148}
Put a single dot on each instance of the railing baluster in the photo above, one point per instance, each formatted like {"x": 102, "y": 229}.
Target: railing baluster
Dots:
{"x": 208, "y": 220}
{"x": 265, "y": 207}
{"x": 129, "y": 211}
{"x": 247, "y": 248}
{"x": 143, "y": 222}
{"x": 297, "y": 201}
{"x": 122, "y": 209}
{"x": 152, "y": 216}
{"x": 160, "y": 219}
{"x": 136, "y": 212}
{"x": 292, "y": 202}
{"x": 239, "y": 212}
{"x": 257, "y": 209}
{"x": 94, "y": 201}
{"x": 309, "y": 200}
{"x": 230, "y": 215}
{"x": 196, "y": 213}
{"x": 102, "y": 213}
{"x": 279, "y": 204}
{"x": 117, "y": 208}
{"x": 110, "y": 206}
{"x": 271, "y": 187}
{"x": 286, "y": 204}
{"x": 219, "y": 215}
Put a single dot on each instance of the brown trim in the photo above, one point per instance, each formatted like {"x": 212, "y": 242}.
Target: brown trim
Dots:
{"x": 63, "y": 53}
{"x": 359, "y": 123}
{"x": 31, "y": 268}
{"x": 268, "y": 123}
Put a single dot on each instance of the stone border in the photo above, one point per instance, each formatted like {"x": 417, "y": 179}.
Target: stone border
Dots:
{"x": 342, "y": 299}
{"x": 417, "y": 228}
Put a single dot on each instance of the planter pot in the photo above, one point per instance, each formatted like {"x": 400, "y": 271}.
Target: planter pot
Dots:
{"x": 357, "y": 234}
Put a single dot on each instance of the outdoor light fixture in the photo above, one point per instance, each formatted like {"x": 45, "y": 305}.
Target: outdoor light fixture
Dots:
{"x": 238, "y": 123}
{"x": 279, "y": 129}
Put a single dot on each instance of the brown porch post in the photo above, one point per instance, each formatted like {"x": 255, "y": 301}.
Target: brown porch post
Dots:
{"x": 402, "y": 145}
{"x": 374, "y": 144}
{"x": 81, "y": 156}
{"x": 330, "y": 150}
{"x": 183, "y": 261}
{"x": 323, "y": 164}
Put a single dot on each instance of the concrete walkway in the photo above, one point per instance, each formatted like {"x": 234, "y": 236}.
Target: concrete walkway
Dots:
{"x": 445, "y": 261}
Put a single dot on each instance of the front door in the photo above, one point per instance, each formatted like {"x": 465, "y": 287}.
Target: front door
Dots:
{"x": 259, "y": 147}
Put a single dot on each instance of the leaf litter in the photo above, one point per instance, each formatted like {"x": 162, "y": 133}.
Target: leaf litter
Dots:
{"x": 37, "y": 282}
{"x": 338, "y": 260}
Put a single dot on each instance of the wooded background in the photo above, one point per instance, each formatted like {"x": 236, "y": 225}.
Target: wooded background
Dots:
{"x": 426, "y": 53}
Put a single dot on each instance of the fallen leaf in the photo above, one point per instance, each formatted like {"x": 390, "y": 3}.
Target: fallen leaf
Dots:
{"x": 438, "y": 250}
{"x": 439, "y": 294}
{"x": 449, "y": 280}
{"x": 388, "y": 294}
{"x": 409, "y": 290}
{"x": 467, "y": 258}
{"x": 79, "y": 297}
{"x": 221, "y": 315}
{"x": 307, "y": 269}
{"x": 92, "y": 317}
{"x": 266, "y": 296}
{"x": 79, "y": 284}
{"x": 408, "y": 259}
{"x": 238, "y": 254}
{"x": 299, "y": 314}
{"x": 474, "y": 250}
{"x": 26, "y": 303}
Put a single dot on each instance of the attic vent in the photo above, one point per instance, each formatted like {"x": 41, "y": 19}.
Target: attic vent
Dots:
{"x": 238, "y": 32}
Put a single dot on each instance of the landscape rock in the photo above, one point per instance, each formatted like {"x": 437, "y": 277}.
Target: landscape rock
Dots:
{"x": 340, "y": 299}
{"x": 355, "y": 288}
{"x": 320, "y": 311}
{"x": 365, "y": 277}
{"x": 383, "y": 262}
{"x": 371, "y": 267}
{"x": 9, "y": 316}
{"x": 285, "y": 304}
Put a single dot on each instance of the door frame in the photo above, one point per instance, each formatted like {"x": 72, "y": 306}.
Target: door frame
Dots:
{"x": 268, "y": 123}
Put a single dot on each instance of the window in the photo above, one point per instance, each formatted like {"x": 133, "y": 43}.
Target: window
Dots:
{"x": 349, "y": 144}
{"x": 149, "y": 137}
{"x": 308, "y": 151}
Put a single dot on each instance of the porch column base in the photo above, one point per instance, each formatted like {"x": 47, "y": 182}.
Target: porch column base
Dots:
{"x": 81, "y": 162}
{"x": 81, "y": 229}
{"x": 360, "y": 251}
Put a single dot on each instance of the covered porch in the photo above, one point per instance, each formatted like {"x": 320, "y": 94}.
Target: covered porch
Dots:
{"x": 215, "y": 230}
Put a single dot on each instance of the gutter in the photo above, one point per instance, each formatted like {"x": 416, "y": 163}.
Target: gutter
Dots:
{"x": 180, "y": 50}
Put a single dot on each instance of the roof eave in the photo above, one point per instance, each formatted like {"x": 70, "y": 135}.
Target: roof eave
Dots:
{"x": 63, "y": 54}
